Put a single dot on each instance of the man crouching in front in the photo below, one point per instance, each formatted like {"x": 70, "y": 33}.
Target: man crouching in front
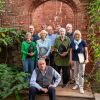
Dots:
{"x": 44, "y": 80}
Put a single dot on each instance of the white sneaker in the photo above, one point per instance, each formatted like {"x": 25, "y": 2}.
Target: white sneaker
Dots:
{"x": 75, "y": 87}
{"x": 81, "y": 90}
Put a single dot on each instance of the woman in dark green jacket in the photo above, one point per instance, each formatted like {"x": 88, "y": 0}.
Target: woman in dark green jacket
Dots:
{"x": 61, "y": 57}
{"x": 28, "y": 50}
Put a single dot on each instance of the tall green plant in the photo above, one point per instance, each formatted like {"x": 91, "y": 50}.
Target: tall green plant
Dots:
{"x": 12, "y": 81}
{"x": 1, "y": 5}
{"x": 94, "y": 27}
{"x": 9, "y": 37}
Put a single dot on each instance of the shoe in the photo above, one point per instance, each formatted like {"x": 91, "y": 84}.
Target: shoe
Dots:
{"x": 64, "y": 85}
{"x": 75, "y": 87}
{"x": 81, "y": 90}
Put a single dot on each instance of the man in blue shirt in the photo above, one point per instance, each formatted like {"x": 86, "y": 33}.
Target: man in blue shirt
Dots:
{"x": 42, "y": 80}
{"x": 51, "y": 36}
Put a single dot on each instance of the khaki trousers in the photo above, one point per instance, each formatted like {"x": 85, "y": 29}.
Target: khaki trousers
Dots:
{"x": 79, "y": 70}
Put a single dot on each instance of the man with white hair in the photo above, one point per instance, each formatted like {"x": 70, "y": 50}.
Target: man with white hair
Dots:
{"x": 42, "y": 81}
{"x": 69, "y": 33}
{"x": 35, "y": 37}
{"x": 51, "y": 36}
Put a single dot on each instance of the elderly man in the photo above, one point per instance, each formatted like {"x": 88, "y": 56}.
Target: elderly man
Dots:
{"x": 51, "y": 36}
{"x": 42, "y": 80}
{"x": 35, "y": 37}
{"x": 69, "y": 31}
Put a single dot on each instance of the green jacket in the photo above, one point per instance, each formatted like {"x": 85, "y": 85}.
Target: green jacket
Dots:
{"x": 61, "y": 61}
{"x": 24, "y": 49}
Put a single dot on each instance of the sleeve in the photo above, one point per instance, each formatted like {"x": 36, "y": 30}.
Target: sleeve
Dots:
{"x": 37, "y": 46}
{"x": 49, "y": 47}
{"x": 84, "y": 43}
{"x": 55, "y": 44}
{"x": 71, "y": 45}
{"x": 35, "y": 50}
{"x": 22, "y": 48}
{"x": 57, "y": 78}
{"x": 33, "y": 81}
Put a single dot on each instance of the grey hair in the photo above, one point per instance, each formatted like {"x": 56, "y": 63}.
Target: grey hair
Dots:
{"x": 68, "y": 25}
{"x": 40, "y": 59}
{"x": 62, "y": 29}
{"x": 28, "y": 34}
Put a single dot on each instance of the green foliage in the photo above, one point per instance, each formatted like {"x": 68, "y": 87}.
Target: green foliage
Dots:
{"x": 12, "y": 81}
{"x": 94, "y": 11}
{"x": 94, "y": 27}
{"x": 10, "y": 37}
{"x": 1, "y": 5}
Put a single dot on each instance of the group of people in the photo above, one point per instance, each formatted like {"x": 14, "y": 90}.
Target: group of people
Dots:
{"x": 46, "y": 54}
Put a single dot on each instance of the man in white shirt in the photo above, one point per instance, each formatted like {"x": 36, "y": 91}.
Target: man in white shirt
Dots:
{"x": 44, "y": 80}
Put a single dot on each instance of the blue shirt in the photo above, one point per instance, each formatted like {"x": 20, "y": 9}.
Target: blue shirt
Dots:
{"x": 52, "y": 38}
{"x": 81, "y": 49}
{"x": 56, "y": 75}
{"x": 45, "y": 43}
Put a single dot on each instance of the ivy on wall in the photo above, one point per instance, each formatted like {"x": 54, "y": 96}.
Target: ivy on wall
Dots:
{"x": 1, "y": 5}
{"x": 94, "y": 29}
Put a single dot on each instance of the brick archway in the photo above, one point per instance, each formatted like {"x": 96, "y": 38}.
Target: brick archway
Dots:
{"x": 74, "y": 5}
{"x": 19, "y": 13}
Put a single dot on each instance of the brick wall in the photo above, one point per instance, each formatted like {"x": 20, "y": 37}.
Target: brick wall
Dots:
{"x": 21, "y": 13}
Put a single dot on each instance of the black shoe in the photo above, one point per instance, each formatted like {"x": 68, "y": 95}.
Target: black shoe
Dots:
{"x": 64, "y": 85}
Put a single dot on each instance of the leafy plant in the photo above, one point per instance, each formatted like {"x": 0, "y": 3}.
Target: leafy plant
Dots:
{"x": 12, "y": 81}
{"x": 1, "y": 5}
{"x": 10, "y": 37}
{"x": 94, "y": 42}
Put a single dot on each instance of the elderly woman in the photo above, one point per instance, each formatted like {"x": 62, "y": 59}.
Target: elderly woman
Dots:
{"x": 61, "y": 56}
{"x": 78, "y": 57}
{"x": 28, "y": 50}
{"x": 43, "y": 46}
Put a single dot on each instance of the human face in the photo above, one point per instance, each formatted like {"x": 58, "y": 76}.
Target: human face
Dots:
{"x": 42, "y": 65}
{"x": 31, "y": 29}
{"x": 69, "y": 28}
{"x": 62, "y": 33}
{"x": 43, "y": 35}
{"x": 50, "y": 30}
{"x": 77, "y": 37}
{"x": 58, "y": 28}
{"x": 28, "y": 37}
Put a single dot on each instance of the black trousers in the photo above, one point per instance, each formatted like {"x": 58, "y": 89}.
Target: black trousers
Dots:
{"x": 34, "y": 91}
{"x": 65, "y": 73}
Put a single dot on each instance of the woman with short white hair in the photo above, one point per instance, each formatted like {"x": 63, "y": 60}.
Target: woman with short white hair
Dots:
{"x": 61, "y": 57}
{"x": 43, "y": 46}
{"x": 78, "y": 58}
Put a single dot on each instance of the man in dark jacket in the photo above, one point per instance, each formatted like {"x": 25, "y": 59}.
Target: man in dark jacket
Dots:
{"x": 42, "y": 80}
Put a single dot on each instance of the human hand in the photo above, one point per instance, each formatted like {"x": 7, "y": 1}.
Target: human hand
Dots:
{"x": 71, "y": 62}
{"x": 31, "y": 54}
{"x": 51, "y": 85}
{"x": 45, "y": 90}
{"x": 86, "y": 61}
{"x": 64, "y": 54}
